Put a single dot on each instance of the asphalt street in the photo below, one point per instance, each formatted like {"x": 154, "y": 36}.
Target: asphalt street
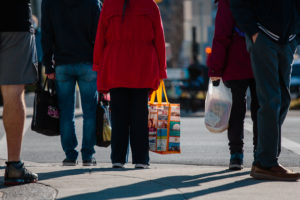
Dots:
{"x": 199, "y": 147}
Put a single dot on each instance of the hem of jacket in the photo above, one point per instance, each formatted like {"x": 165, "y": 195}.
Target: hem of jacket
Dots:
{"x": 237, "y": 79}
{"x": 274, "y": 36}
{"x": 214, "y": 74}
{"x": 106, "y": 90}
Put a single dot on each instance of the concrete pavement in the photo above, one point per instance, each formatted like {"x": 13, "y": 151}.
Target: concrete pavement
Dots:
{"x": 161, "y": 182}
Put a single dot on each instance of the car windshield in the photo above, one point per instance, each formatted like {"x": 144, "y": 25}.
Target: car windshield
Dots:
{"x": 296, "y": 70}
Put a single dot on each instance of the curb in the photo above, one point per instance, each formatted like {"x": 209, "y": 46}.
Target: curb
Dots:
{"x": 33, "y": 191}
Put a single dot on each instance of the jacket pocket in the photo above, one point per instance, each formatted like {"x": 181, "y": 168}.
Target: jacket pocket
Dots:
{"x": 249, "y": 43}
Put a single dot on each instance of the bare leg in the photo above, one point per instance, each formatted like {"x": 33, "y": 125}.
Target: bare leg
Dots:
{"x": 13, "y": 118}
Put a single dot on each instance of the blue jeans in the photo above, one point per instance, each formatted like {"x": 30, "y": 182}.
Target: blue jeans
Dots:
{"x": 66, "y": 78}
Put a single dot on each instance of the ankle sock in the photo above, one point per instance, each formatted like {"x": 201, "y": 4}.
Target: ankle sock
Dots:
{"x": 237, "y": 156}
{"x": 16, "y": 164}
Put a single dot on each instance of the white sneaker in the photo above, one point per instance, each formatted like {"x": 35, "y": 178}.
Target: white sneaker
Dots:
{"x": 142, "y": 166}
{"x": 117, "y": 165}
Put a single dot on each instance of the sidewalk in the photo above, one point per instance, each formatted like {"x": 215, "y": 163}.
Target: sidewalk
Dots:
{"x": 161, "y": 182}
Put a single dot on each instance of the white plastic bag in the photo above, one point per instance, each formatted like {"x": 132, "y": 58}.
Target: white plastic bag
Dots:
{"x": 218, "y": 104}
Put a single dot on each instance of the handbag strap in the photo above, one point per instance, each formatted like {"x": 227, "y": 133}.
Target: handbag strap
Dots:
{"x": 49, "y": 86}
{"x": 158, "y": 94}
{"x": 45, "y": 84}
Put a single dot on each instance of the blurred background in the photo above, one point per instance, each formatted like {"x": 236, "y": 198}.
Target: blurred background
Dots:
{"x": 189, "y": 30}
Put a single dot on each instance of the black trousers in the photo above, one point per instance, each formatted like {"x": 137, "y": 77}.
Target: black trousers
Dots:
{"x": 238, "y": 112}
{"x": 129, "y": 115}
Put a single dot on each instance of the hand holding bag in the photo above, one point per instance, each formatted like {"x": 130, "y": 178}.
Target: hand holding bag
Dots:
{"x": 103, "y": 124}
{"x": 45, "y": 118}
{"x": 218, "y": 105}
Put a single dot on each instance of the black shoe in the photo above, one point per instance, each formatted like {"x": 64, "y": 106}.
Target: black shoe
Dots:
{"x": 68, "y": 162}
{"x": 17, "y": 174}
{"x": 236, "y": 161}
{"x": 91, "y": 162}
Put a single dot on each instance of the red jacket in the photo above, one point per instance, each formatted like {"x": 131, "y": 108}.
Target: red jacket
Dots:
{"x": 130, "y": 54}
{"x": 229, "y": 59}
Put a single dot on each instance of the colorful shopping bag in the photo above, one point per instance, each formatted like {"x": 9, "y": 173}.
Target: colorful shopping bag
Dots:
{"x": 163, "y": 123}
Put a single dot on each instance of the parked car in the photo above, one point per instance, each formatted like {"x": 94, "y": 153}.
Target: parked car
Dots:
{"x": 295, "y": 80}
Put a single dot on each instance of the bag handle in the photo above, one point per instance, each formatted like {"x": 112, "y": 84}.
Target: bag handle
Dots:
{"x": 50, "y": 86}
{"x": 45, "y": 84}
{"x": 158, "y": 93}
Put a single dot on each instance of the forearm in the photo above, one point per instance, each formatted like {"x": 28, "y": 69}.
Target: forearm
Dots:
{"x": 224, "y": 26}
{"x": 95, "y": 19}
{"x": 47, "y": 39}
{"x": 99, "y": 42}
{"x": 159, "y": 42}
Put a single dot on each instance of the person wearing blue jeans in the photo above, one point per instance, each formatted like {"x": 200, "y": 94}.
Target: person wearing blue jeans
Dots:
{"x": 68, "y": 35}
{"x": 66, "y": 78}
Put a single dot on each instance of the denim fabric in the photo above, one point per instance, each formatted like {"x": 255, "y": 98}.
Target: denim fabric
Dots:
{"x": 129, "y": 115}
{"x": 238, "y": 112}
{"x": 271, "y": 63}
{"x": 66, "y": 78}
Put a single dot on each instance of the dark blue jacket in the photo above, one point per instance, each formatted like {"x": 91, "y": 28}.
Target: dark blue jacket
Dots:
{"x": 279, "y": 19}
{"x": 68, "y": 31}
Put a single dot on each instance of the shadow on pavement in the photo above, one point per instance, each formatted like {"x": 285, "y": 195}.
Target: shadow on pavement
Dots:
{"x": 173, "y": 182}
{"x": 70, "y": 172}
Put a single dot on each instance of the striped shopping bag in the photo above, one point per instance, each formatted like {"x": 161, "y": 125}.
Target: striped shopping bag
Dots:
{"x": 163, "y": 123}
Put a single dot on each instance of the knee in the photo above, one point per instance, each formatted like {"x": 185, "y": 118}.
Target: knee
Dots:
{"x": 285, "y": 101}
{"x": 273, "y": 105}
{"x": 12, "y": 93}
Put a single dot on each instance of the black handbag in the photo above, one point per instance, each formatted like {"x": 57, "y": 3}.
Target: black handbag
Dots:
{"x": 103, "y": 124}
{"x": 45, "y": 118}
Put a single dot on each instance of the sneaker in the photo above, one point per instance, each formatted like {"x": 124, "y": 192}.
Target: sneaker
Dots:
{"x": 117, "y": 165}
{"x": 277, "y": 173}
{"x": 17, "y": 174}
{"x": 236, "y": 161}
{"x": 142, "y": 166}
{"x": 91, "y": 162}
{"x": 68, "y": 162}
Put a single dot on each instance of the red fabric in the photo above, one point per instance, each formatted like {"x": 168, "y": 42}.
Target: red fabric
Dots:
{"x": 130, "y": 54}
{"x": 229, "y": 59}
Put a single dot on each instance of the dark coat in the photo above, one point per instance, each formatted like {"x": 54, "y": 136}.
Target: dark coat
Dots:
{"x": 229, "y": 58}
{"x": 68, "y": 31}
{"x": 280, "y": 17}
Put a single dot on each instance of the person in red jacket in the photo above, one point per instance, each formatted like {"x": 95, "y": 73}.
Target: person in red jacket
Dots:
{"x": 230, "y": 62}
{"x": 130, "y": 59}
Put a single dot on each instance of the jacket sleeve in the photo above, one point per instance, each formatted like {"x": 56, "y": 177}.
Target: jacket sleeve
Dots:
{"x": 159, "y": 43}
{"x": 298, "y": 20}
{"x": 244, "y": 15}
{"x": 100, "y": 41}
{"x": 224, "y": 26}
{"x": 96, "y": 8}
{"x": 47, "y": 38}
